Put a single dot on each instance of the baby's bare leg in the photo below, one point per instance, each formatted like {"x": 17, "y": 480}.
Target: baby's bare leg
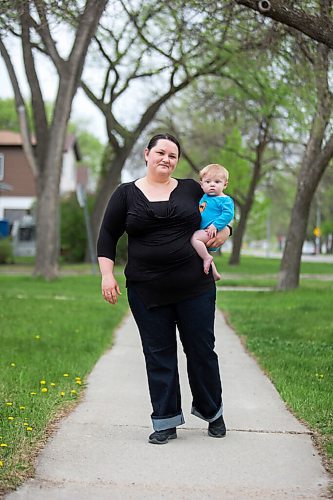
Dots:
{"x": 199, "y": 240}
{"x": 215, "y": 272}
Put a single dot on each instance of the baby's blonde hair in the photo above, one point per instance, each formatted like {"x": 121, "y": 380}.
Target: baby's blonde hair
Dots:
{"x": 214, "y": 167}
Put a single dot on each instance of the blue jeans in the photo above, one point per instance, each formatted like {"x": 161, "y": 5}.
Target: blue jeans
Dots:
{"x": 157, "y": 326}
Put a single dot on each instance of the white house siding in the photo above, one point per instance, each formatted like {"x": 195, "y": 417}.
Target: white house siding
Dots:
{"x": 68, "y": 174}
{"x": 15, "y": 203}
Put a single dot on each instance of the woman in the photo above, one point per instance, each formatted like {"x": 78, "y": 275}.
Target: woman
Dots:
{"x": 166, "y": 286}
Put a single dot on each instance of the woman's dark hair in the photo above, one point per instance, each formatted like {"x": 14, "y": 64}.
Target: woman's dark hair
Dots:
{"x": 168, "y": 137}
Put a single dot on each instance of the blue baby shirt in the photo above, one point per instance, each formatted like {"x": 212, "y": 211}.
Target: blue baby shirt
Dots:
{"x": 217, "y": 210}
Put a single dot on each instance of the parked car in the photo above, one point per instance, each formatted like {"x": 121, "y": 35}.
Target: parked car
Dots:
{"x": 309, "y": 248}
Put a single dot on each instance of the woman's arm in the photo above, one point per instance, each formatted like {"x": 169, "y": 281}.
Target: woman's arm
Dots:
{"x": 110, "y": 287}
{"x": 112, "y": 228}
{"x": 220, "y": 238}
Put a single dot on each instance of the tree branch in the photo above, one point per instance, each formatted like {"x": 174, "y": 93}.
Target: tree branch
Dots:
{"x": 38, "y": 106}
{"x": 21, "y": 110}
{"x": 319, "y": 28}
{"x": 87, "y": 27}
{"x": 105, "y": 108}
{"x": 44, "y": 31}
{"x": 143, "y": 37}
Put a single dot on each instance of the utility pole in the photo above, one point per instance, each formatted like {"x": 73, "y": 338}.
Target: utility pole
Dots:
{"x": 82, "y": 201}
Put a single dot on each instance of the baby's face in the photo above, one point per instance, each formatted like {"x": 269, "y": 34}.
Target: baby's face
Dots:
{"x": 213, "y": 184}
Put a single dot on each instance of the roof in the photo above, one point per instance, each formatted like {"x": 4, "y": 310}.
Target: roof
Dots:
{"x": 9, "y": 138}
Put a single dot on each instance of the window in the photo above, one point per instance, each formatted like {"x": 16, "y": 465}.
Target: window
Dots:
{"x": 27, "y": 233}
{"x": 2, "y": 166}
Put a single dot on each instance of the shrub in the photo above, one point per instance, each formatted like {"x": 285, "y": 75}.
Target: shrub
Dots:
{"x": 6, "y": 251}
{"x": 74, "y": 239}
{"x": 73, "y": 230}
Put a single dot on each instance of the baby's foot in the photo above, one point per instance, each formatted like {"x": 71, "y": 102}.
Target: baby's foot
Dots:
{"x": 207, "y": 263}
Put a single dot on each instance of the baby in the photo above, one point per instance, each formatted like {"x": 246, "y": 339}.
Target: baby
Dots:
{"x": 217, "y": 210}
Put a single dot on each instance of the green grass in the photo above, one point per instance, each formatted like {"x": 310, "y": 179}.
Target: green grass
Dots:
{"x": 262, "y": 272}
{"x": 291, "y": 335}
{"x": 261, "y": 265}
{"x": 52, "y": 334}
{"x": 248, "y": 266}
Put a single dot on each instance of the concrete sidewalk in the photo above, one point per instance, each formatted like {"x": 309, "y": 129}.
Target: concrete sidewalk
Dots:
{"x": 101, "y": 451}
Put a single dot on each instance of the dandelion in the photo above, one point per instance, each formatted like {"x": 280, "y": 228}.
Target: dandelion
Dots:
{"x": 10, "y": 418}
{"x": 29, "y": 429}
{"x": 25, "y": 424}
{"x": 22, "y": 407}
{"x": 13, "y": 365}
{"x": 33, "y": 393}
{"x": 9, "y": 403}
{"x": 73, "y": 391}
{"x": 44, "y": 389}
{"x": 3, "y": 445}
{"x": 1, "y": 463}
{"x": 78, "y": 382}
{"x": 52, "y": 384}
{"x": 66, "y": 374}
{"x": 42, "y": 382}
{"x": 62, "y": 393}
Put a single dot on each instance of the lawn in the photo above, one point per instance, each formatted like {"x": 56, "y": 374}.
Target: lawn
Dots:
{"x": 52, "y": 334}
{"x": 257, "y": 266}
{"x": 291, "y": 335}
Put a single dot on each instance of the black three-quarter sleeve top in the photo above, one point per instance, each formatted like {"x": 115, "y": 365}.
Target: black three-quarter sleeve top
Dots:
{"x": 162, "y": 265}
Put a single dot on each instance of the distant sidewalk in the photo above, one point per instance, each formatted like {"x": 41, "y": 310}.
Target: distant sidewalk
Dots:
{"x": 101, "y": 451}
{"x": 323, "y": 258}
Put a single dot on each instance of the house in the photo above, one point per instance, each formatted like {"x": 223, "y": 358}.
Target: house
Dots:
{"x": 17, "y": 183}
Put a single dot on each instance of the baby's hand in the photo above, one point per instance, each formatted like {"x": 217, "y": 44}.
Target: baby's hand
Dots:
{"x": 211, "y": 231}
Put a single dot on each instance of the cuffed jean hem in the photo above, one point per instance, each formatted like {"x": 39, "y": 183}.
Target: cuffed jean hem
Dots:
{"x": 195, "y": 412}
{"x": 160, "y": 424}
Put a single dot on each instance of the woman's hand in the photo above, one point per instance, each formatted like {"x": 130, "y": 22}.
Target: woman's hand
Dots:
{"x": 219, "y": 239}
{"x": 110, "y": 288}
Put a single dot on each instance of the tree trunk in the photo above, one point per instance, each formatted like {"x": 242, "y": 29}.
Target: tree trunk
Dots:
{"x": 47, "y": 223}
{"x": 291, "y": 259}
{"x": 107, "y": 186}
{"x": 245, "y": 207}
{"x": 315, "y": 161}
{"x": 309, "y": 179}
{"x": 238, "y": 235}
{"x": 48, "y": 241}
{"x": 48, "y": 230}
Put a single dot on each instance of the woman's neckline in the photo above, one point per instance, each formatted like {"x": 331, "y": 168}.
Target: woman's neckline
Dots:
{"x": 157, "y": 201}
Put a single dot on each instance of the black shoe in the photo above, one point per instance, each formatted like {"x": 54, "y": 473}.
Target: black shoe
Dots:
{"x": 162, "y": 437}
{"x": 217, "y": 428}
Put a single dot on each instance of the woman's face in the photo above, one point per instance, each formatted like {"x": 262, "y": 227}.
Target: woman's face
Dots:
{"x": 162, "y": 159}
